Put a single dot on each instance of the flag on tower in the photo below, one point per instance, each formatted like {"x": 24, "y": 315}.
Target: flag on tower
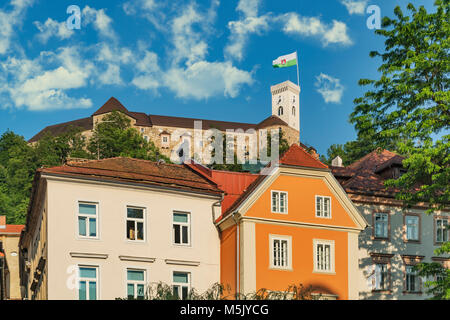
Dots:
{"x": 288, "y": 60}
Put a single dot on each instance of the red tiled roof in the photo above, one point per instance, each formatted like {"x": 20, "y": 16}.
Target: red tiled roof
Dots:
{"x": 12, "y": 229}
{"x": 139, "y": 171}
{"x": 361, "y": 176}
{"x": 297, "y": 156}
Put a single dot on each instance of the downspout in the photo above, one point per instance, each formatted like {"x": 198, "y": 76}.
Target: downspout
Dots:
{"x": 216, "y": 204}
{"x": 237, "y": 256}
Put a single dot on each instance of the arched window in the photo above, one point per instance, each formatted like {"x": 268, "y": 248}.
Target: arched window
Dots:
{"x": 293, "y": 111}
{"x": 280, "y": 111}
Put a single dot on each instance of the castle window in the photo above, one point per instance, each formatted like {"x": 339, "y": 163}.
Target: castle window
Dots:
{"x": 293, "y": 111}
{"x": 280, "y": 111}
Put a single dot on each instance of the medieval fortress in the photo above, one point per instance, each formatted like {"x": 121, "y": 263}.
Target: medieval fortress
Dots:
{"x": 181, "y": 138}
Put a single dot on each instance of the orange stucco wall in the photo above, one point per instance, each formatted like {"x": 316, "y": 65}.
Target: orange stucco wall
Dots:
{"x": 301, "y": 202}
{"x": 302, "y": 260}
{"x": 228, "y": 260}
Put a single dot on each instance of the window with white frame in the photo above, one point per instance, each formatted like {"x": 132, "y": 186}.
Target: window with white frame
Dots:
{"x": 281, "y": 255}
{"x": 181, "y": 285}
{"x": 441, "y": 230}
{"x": 412, "y": 227}
{"x": 412, "y": 280}
{"x": 323, "y": 256}
{"x": 87, "y": 220}
{"x": 381, "y": 224}
{"x": 279, "y": 202}
{"x": 88, "y": 283}
{"x": 181, "y": 228}
{"x": 135, "y": 284}
{"x": 323, "y": 207}
{"x": 135, "y": 224}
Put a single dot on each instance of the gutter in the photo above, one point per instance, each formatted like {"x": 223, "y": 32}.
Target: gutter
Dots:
{"x": 237, "y": 256}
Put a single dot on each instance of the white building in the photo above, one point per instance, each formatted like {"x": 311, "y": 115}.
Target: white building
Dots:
{"x": 106, "y": 229}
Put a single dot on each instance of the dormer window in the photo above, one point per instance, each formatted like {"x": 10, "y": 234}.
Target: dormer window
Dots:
{"x": 280, "y": 111}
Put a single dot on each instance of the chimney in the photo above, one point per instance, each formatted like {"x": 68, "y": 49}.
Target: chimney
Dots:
{"x": 337, "y": 162}
{"x": 314, "y": 153}
{"x": 2, "y": 222}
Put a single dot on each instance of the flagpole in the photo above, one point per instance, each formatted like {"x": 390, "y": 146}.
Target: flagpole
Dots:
{"x": 298, "y": 78}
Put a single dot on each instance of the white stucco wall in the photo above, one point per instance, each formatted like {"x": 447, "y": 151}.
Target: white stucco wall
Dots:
{"x": 63, "y": 198}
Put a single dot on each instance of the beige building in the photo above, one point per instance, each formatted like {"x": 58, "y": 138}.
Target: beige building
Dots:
{"x": 397, "y": 238}
{"x": 9, "y": 260}
{"x": 171, "y": 134}
{"x": 111, "y": 228}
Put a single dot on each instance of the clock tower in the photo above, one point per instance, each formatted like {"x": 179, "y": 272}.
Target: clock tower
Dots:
{"x": 286, "y": 103}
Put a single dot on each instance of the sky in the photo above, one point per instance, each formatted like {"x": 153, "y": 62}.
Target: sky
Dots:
{"x": 208, "y": 59}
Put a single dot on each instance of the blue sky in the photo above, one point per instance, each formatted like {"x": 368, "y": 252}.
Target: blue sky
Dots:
{"x": 208, "y": 59}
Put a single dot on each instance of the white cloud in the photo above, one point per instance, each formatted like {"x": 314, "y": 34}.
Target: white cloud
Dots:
{"x": 31, "y": 85}
{"x": 52, "y": 28}
{"x": 355, "y": 6}
{"x": 203, "y": 80}
{"x": 330, "y": 88}
{"x": 240, "y": 30}
{"x": 314, "y": 27}
{"x": 101, "y": 21}
{"x": 148, "y": 72}
{"x": 10, "y": 20}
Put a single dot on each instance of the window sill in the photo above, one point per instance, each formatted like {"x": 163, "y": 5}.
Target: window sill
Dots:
{"x": 412, "y": 241}
{"x": 281, "y": 268}
{"x": 382, "y": 291}
{"x": 411, "y": 292}
{"x": 380, "y": 239}
{"x": 331, "y": 273}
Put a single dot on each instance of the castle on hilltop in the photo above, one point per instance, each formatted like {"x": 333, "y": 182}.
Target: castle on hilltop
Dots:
{"x": 160, "y": 128}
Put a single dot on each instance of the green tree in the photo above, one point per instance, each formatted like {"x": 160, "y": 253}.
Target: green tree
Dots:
{"x": 114, "y": 137}
{"x": 409, "y": 104}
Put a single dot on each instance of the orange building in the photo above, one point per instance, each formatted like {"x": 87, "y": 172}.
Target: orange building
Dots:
{"x": 293, "y": 226}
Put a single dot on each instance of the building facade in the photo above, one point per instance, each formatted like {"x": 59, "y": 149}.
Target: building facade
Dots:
{"x": 114, "y": 228}
{"x": 293, "y": 226}
{"x": 9, "y": 260}
{"x": 397, "y": 237}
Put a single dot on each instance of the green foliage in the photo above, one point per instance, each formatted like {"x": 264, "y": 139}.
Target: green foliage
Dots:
{"x": 439, "y": 287}
{"x": 408, "y": 106}
{"x": 114, "y": 137}
{"x": 217, "y": 291}
{"x": 19, "y": 160}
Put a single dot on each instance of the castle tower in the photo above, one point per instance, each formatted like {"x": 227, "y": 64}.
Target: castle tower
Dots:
{"x": 286, "y": 103}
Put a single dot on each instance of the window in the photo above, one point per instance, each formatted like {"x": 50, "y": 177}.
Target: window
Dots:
{"x": 280, "y": 249}
{"x": 280, "y": 111}
{"x": 441, "y": 226}
{"x": 412, "y": 228}
{"x": 323, "y": 207}
{"x": 279, "y": 202}
{"x": 181, "y": 285}
{"x": 146, "y": 138}
{"x": 135, "y": 224}
{"x": 165, "y": 139}
{"x": 87, "y": 220}
{"x": 88, "y": 283}
{"x": 381, "y": 277}
{"x": 323, "y": 256}
{"x": 135, "y": 284}
{"x": 381, "y": 223}
{"x": 293, "y": 109}
{"x": 181, "y": 228}
{"x": 412, "y": 280}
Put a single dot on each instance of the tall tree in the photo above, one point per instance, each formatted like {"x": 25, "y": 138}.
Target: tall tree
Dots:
{"x": 409, "y": 106}
{"x": 114, "y": 137}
